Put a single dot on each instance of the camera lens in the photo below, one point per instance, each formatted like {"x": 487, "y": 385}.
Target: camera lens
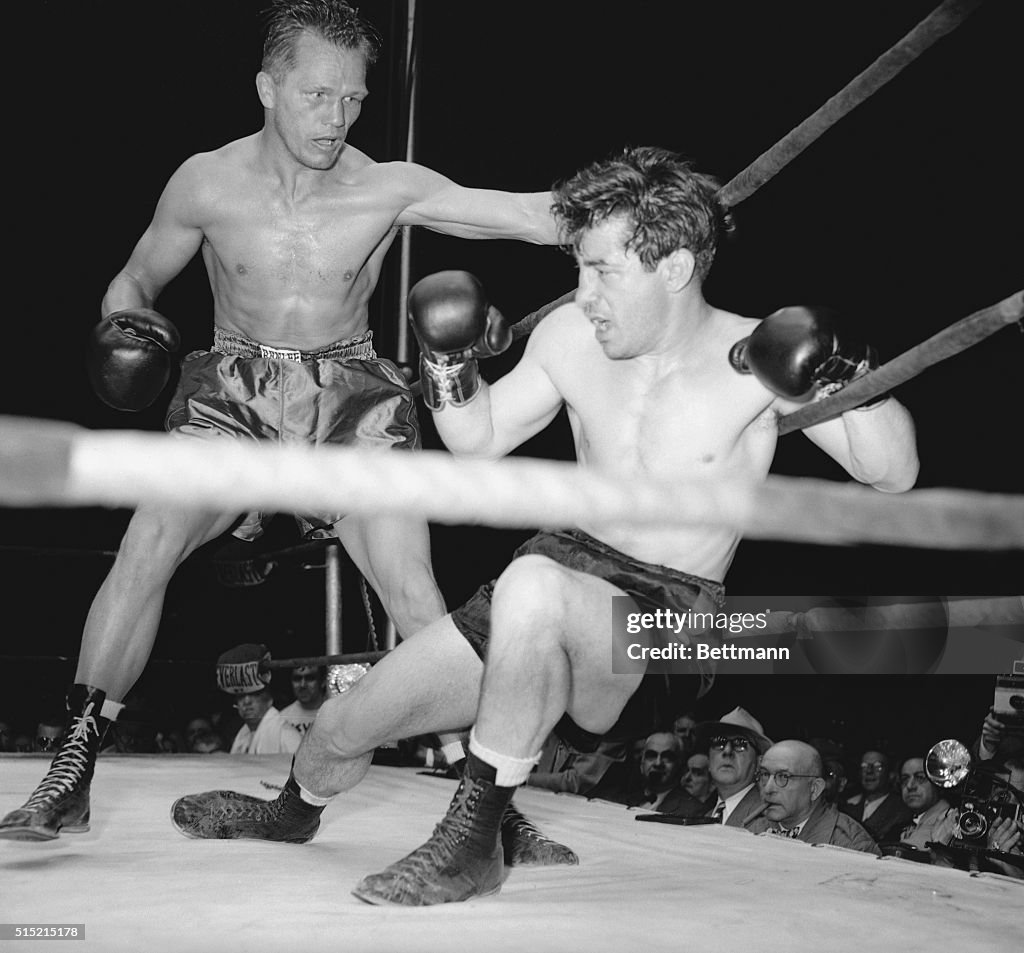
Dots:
{"x": 972, "y": 824}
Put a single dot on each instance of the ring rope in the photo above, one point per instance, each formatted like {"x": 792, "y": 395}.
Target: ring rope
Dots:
{"x": 46, "y": 463}
{"x": 944, "y": 19}
{"x": 314, "y": 661}
{"x": 948, "y": 342}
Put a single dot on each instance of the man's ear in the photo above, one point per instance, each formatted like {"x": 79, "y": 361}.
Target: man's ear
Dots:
{"x": 679, "y": 268}
{"x": 266, "y": 89}
{"x": 817, "y": 786}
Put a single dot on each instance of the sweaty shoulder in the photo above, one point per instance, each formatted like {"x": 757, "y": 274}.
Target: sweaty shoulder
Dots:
{"x": 563, "y": 332}
{"x": 405, "y": 180}
{"x": 732, "y": 327}
{"x": 206, "y": 177}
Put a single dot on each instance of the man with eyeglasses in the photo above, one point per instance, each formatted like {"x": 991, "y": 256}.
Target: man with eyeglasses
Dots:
{"x": 49, "y": 733}
{"x": 877, "y": 806}
{"x": 733, "y": 745}
{"x": 791, "y": 787}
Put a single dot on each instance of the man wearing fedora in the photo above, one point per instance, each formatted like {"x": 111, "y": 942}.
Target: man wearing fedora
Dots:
{"x": 239, "y": 673}
{"x": 734, "y": 745}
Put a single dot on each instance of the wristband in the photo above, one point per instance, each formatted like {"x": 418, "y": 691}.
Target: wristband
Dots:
{"x": 455, "y": 384}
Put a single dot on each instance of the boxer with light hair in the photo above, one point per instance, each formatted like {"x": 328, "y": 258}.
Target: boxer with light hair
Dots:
{"x": 293, "y": 224}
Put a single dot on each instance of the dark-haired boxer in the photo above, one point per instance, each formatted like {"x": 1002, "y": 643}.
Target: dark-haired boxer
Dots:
{"x": 293, "y": 224}
{"x": 655, "y": 386}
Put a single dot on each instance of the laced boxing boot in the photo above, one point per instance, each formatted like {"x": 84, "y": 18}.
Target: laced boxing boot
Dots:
{"x": 522, "y": 843}
{"x": 224, "y": 815}
{"x": 463, "y": 857}
{"x": 525, "y": 846}
{"x": 61, "y": 801}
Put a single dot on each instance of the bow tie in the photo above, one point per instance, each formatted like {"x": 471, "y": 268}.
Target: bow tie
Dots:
{"x": 782, "y": 832}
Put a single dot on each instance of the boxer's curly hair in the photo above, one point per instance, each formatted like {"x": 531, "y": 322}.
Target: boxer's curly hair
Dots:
{"x": 666, "y": 203}
{"x": 333, "y": 20}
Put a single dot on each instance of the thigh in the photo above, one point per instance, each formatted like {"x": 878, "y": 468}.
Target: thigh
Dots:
{"x": 386, "y": 548}
{"x": 581, "y": 607}
{"x": 429, "y": 683}
{"x": 159, "y": 533}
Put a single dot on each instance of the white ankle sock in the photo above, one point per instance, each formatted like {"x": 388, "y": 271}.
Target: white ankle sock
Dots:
{"x": 110, "y": 710}
{"x": 453, "y": 751}
{"x": 511, "y": 772}
{"x": 311, "y": 798}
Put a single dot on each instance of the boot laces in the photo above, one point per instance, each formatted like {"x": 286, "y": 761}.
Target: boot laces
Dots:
{"x": 447, "y": 837}
{"x": 71, "y": 763}
{"x": 519, "y": 826}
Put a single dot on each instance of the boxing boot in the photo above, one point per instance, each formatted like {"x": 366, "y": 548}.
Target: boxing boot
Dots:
{"x": 522, "y": 843}
{"x": 463, "y": 857}
{"x": 61, "y": 801}
{"x": 223, "y": 815}
{"x": 525, "y": 846}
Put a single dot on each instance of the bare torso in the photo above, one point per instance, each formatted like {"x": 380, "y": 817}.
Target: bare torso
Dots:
{"x": 294, "y": 270}
{"x": 691, "y": 418}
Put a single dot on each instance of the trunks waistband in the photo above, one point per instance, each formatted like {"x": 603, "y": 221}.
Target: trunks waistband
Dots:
{"x": 713, "y": 588}
{"x": 228, "y": 342}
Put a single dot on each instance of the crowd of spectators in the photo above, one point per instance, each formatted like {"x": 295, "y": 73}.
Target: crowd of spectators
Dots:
{"x": 687, "y": 769}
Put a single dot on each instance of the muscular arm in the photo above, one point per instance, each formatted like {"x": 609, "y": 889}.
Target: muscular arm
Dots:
{"x": 504, "y": 415}
{"x": 167, "y": 245}
{"x": 876, "y": 446}
{"x": 437, "y": 203}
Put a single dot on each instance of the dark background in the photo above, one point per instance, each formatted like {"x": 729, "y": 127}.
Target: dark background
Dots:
{"x": 906, "y": 216}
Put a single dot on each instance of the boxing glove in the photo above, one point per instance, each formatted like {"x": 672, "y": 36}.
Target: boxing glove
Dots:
{"x": 454, "y": 326}
{"x": 129, "y": 357}
{"x": 797, "y": 353}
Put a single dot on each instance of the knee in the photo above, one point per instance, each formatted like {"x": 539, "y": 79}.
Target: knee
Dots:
{"x": 336, "y": 731}
{"x": 532, "y": 590}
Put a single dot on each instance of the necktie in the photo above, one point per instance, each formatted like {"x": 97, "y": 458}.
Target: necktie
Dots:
{"x": 719, "y": 811}
{"x": 782, "y": 832}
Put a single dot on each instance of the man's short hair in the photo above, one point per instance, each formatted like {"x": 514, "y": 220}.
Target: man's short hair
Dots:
{"x": 666, "y": 204}
{"x": 333, "y": 20}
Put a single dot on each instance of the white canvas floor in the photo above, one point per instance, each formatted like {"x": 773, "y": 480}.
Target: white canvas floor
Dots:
{"x": 139, "y": 885}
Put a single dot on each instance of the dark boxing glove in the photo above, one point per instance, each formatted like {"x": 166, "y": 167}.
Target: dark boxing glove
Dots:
{"x": 129, "y": 359}
{"x": 797, "y": 353}
{"x": 454, "y": 326}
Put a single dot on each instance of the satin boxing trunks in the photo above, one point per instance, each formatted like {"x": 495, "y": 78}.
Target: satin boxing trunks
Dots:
{"x": 341, "y": 394}
{"x": 651, "y": 586}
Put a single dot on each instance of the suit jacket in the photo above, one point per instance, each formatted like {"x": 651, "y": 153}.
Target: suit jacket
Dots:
{"x": 691, "y": 806}
{"x": 887, "y": 820}
{"x": 825, "y": 825}
{"x": 750, "y": 805}
{"x": 678, "y": 802}
{"x": 918, "y": 835}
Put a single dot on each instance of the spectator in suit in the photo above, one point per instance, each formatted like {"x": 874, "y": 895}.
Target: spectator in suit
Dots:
{"x": 696, "y": 780}
{"x": 792, "y": 788}
{"x": 661, "y": 771}
{"x": 930, "y": 810}
{"x": 734, "y": 743}
{"x": 880, "y": 809}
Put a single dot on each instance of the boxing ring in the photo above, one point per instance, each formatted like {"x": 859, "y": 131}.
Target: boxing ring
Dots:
{"x": 137, "y": 884}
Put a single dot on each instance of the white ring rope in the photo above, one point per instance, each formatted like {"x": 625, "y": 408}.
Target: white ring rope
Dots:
{"x": 43, "y": 463}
